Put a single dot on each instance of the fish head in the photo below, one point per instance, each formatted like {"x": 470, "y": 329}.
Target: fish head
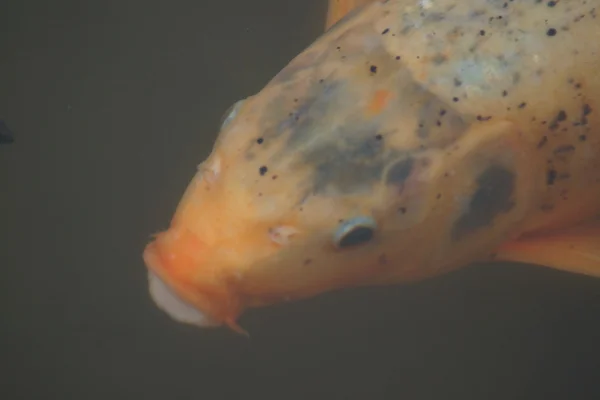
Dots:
{"x": 337, "y": 174}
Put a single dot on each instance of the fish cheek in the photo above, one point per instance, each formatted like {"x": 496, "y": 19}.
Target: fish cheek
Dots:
{"x": 305, "y": 268}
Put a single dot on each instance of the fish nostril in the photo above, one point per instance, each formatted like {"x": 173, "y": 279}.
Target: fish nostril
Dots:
{"x": 282, "y": 235}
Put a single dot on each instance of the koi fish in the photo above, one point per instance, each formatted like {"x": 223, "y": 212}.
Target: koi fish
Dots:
{"x": 411, "y": 139}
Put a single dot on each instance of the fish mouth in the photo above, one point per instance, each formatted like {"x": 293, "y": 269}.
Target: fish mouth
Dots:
{"x": 177, "y": 290}
{"x": 180, "y": 310}
{"x": 166, "y": 297}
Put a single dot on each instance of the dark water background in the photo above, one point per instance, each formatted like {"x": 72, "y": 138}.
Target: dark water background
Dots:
{"x": 114, "y": 103}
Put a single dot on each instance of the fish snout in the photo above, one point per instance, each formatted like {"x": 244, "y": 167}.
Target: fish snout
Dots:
{"x": 183, "y": 284}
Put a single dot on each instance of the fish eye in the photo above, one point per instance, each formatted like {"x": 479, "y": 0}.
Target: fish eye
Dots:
{"x": 354, "y": 232}
{"x": 230, "y": 113}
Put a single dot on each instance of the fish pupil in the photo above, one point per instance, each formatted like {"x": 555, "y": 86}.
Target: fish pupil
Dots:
{"x": 356, "y": 236}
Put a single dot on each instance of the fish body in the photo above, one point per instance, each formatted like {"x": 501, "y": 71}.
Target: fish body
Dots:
{"x": 411, "y": 139}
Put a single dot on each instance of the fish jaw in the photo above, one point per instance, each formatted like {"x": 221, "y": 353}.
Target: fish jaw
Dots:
{"x": 173, "y": 274}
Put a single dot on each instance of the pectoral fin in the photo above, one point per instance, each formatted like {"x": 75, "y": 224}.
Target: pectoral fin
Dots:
{"x": 574, "y": 250}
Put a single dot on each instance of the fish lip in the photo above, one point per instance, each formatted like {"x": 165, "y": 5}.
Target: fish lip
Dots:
{"x": 173, "y": 290}
{"x": 153, "y": 260}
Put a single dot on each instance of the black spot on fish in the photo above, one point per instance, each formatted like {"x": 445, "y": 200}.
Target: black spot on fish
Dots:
{"x": 551, "y": 32}
{"x": 493, "y": 196}
{"x": 551, "y": 177}
{"x": 399, "y": 172}
{"x": 262, "y": 170}
{"x": 586, "y": 110}
{"x": 560, "y": 117}
{"x": 542, "y": 142}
